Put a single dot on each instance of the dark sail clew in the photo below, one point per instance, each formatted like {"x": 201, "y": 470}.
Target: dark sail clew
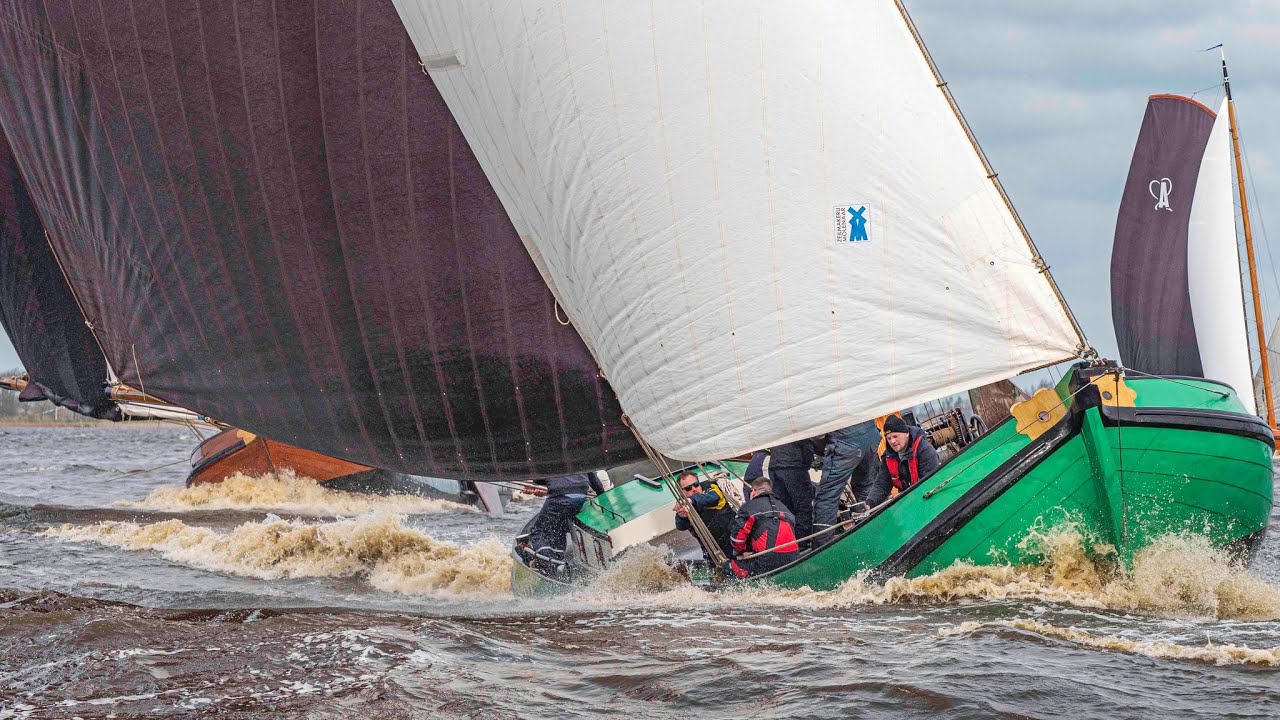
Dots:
{"x": 1150, "y": 304}
{"x": 64, "y": 364}
{"x": 271, "y": 218}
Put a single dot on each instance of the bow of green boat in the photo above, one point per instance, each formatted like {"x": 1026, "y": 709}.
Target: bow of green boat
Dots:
{"x": 1122, "y": 458}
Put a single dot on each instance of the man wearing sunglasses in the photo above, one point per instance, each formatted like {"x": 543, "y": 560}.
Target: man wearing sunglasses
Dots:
{"x": 712, "y": 506}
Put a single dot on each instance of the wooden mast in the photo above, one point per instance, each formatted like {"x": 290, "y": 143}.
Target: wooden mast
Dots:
{"x": 1248, "y": 244}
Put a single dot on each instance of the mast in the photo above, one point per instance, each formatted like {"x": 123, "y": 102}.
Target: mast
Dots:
{"x": 1248, "y": 244}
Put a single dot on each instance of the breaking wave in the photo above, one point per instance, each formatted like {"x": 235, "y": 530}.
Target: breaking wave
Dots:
{"x": 289, "y": 493}
{"x": 378, "y": 548}
{"x": 1177, "y": 576}
{"x": 1216, "y": 654}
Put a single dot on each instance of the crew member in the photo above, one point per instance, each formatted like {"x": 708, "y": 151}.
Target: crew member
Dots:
{"x": 565, "y": 497}
{"x": 908, "y": 459}
{"x": 789, "y": 469}
{"x": 712, "y": 506}
{"x": 851, "y": 455}
{"x": 763, "y": 524}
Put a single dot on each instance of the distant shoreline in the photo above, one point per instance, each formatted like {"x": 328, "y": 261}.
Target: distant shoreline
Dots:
{"x": 86, "y": 422}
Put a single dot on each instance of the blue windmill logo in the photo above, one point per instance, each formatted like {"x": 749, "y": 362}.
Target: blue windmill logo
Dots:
{"x": 852, "y": 223}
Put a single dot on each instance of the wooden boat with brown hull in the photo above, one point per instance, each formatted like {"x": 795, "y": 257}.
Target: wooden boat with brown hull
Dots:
{"x": 239, "y": 451}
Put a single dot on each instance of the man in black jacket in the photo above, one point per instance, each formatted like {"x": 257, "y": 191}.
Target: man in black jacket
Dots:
{"x": 762, "y": 524}
{"x": 908, "y": 459}
{"x": 789, "y": 469}
{"x": 565, "y": 497}
{"x": 712, "y": 506}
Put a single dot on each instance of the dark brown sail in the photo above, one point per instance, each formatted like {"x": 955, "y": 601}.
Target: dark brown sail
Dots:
{"x": 271, "y": 218}
{"x": 62, "y": 360}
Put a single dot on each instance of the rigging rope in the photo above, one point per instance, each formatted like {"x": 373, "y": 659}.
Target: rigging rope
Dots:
{"x": 146, "y": 470}
{"x": 1044, "y": 417}
{"x": 700, "y": 530}
{"x": 1219, "y": 393}
{"x": 556, "y": 307}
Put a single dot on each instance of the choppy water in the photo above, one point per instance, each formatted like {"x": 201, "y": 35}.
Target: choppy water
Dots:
{"x": 127, "y": 597}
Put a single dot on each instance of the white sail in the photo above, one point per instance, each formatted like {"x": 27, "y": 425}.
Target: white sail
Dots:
{"x": 686, "y": 173}
{"x": 1213, "y": 269}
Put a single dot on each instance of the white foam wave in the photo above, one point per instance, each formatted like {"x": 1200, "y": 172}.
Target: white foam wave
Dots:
{"x": 288, "y": 493}
{"x": 380, "y": 548}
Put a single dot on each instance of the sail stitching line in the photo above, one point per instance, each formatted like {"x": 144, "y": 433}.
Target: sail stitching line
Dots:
{"x": 375, "y": 218}
{"x": 671, "y": 200}
{"x": 993, "y": 176}
{"x": 149, "y": 202}
{"x": 720, "y": 221}
{"x": 423, "y": 291}
{"x": 454, "y": 83}
{"x": 773, "y": 230}
{"x": 676, "y": 397}
{"x": 112, "y": 213}
{"x": 152, "y": 191}
{"x": 829, "y": 250}
{"x": 182, "y": 106}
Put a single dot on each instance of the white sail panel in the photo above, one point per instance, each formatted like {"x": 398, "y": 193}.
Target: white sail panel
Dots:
{"x": 1213, "y": 269}
{"x": 686, "y": 174}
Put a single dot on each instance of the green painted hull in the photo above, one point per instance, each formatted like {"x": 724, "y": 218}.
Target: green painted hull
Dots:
{"x": 1169, "y": 456}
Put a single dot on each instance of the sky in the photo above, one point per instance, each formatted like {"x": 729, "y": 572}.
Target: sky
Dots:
{"x": 1055, "y": 93}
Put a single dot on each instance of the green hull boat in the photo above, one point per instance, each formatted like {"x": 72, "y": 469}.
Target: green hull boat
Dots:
{"x": 1122, "y": 458}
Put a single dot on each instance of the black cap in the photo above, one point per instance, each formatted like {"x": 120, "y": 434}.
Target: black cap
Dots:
{"x": 893, "y": 423}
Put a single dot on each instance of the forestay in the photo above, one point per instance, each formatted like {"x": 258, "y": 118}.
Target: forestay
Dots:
{"x": 764, "y": 218}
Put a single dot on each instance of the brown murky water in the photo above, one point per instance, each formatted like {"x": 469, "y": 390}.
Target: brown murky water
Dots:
{"x": 128, "y": 597}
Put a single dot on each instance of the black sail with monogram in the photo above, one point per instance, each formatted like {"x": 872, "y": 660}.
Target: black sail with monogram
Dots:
{"x": 1150, "y": 303}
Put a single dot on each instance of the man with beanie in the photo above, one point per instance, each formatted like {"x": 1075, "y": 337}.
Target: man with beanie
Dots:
{"x": 908, "y": 459}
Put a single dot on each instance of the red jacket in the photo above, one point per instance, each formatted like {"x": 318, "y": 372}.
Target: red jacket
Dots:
{"x": 763, "y": 523}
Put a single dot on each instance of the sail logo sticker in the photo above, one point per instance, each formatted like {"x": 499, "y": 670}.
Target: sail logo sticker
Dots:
{"x": 1160, "y": 190}
{"x": 853, "y": 223}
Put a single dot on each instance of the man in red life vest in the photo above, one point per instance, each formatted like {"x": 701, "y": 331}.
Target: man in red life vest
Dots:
{"x": 763, "y": 523}
{"x": 908, "y": 459}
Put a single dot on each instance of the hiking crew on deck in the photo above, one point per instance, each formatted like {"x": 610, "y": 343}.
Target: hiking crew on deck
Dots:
{"x": 565, "y": 497}
{"x": 763, "y": 523}
{"x": 712, "y": 506}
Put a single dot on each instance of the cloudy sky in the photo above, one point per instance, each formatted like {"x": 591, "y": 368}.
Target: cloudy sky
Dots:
{"x": 1055, "y": 93}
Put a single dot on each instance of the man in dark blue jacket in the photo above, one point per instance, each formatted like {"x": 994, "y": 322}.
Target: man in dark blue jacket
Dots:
{"x": 908, "y": 459}
{"x": 565, "y": 497}
{"x": 713, "y": 508}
